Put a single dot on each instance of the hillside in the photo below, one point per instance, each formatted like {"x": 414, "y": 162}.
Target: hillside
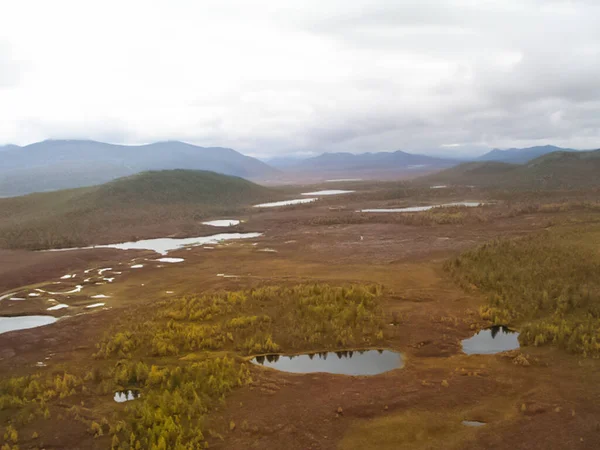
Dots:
{"x": 520, "y": 155}
{"x": 140, "y": 205}
{"x": 54, "y": 165}
{"x": 557, "y": 170}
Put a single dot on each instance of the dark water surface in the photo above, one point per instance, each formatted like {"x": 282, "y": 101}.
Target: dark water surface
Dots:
{"x": 368, "y": 362}
{"x": 493, "y": 340}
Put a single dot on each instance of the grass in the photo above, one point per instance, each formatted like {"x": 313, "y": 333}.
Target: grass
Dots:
{"x": 546, "y": 284}
{"x": 184, "y": 357}
{"x": 420, "y": 429}
{"x": 256, "y": 321}
{"x": 78, "y": 217}
{"x": 461, "y": 215}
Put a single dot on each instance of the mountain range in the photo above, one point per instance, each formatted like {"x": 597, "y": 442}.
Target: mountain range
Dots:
{"x": 62, "y": 164}
{"x": 521, "y": 155}
{"x": 556, "y": 170}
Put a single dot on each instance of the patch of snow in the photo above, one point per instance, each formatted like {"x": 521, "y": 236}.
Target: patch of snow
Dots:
{"x": 110, "y": 280}
{"x": 100, "y": 296}
{"x": 66, "y": 277}
{"x": 17, "y": 299}
{"x": 268, "y": 250}
{"x": 34, "y": 294}
{"x": 101, "y": 271}
{"x": 137, "y": 266}
{"x": 440, "y": 186}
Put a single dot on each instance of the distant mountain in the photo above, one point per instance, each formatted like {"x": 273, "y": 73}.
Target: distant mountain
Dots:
{"x": 4, "y": 148}
{"x": 399, "y": 160}
{"x": 520, "y": 155}
{"x": 283, "y": 162}
{"x": 62, "y": 164}
{"x": 557, "y": 170}
{"x": 148, "y": 204}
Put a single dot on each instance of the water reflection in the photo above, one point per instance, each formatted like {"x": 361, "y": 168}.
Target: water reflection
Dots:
{"x": 493, "y": 340}
{"x": 346, "y": 362}
{"x": 126, "y": 396}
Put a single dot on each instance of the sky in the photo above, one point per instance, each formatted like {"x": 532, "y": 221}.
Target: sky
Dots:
{"x": 273, "y": 78}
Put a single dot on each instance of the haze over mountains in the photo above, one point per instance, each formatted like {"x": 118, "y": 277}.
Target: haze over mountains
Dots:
{"x": 556, "y": 170}
{"x": 521, "y": 155}
{"x": 63, "y": 164}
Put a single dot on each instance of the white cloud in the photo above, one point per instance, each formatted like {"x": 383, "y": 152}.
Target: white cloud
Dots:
{"x": 271, "y": 77}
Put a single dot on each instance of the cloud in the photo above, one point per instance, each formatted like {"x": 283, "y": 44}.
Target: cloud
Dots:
{"x": 271, "y": 78}
{"x": 10, "y": 70}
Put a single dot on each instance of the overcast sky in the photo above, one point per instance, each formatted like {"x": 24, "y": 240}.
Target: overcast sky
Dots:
{"x": 284, "y": 77}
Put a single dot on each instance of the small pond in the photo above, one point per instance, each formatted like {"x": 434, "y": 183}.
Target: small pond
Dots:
{"x": 421, "y": 208}
{"x": 165, "y": 245}
{"x": 222, "y": 223}
{"x": 368, "y": 362}
{"x": 493, "y": 340}
{"x": 24, "y": 322}
{"x": 473, "y": 423}
{"x": 126, "y": 396}
{"x": 170, "y": 260}
{"x": 328, "y": 192}
{"x": 286, "y": 203}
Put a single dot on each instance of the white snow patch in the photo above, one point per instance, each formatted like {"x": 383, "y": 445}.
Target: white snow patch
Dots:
{"x": 95, "y": 305}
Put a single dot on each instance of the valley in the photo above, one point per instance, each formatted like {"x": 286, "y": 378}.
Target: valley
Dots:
{"x": 184, "y": 336}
